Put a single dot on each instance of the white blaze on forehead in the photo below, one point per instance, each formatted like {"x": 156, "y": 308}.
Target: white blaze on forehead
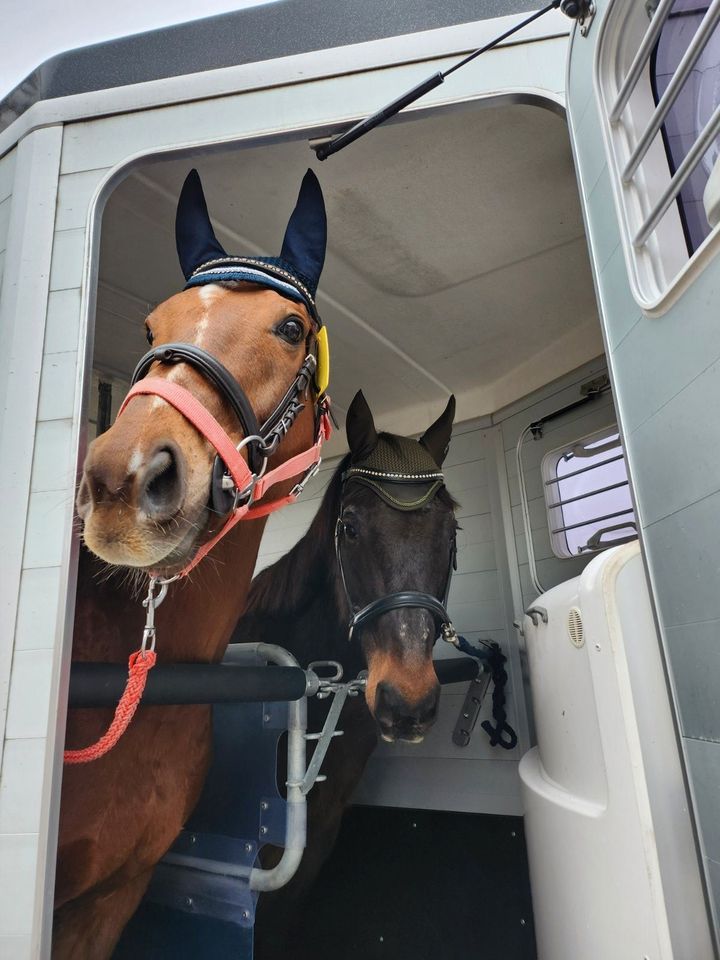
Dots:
{"x": 210, "y": 291}
{"x": 208, "y": 294}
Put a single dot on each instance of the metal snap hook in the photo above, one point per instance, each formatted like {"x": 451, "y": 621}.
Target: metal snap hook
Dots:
{"x": 151, "y": 602}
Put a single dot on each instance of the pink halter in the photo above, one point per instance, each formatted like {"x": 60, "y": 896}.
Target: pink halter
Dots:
{"x": 306, "y": 463}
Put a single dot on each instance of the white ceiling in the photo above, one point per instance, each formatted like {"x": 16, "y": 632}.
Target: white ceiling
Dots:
{"x": 456, "y": 262}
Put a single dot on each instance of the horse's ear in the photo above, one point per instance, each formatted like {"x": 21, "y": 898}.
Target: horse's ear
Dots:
{"x": 306, "y": 234}
{"x": 194, "y": 235}
{"x": 436, "y": 438}
{"x": 360, "y": 428}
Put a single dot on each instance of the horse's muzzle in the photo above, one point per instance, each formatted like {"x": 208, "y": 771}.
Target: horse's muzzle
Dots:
{"x": 400, "y": 720}
{"x": 152, "y": 483}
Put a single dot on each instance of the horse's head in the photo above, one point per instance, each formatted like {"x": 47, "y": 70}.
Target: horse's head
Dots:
{"x": 396, "y": 533}
{"x": 147, "y": 496}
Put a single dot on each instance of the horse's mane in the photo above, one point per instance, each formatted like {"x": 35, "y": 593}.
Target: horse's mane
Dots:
{"x": 290, "y": 582}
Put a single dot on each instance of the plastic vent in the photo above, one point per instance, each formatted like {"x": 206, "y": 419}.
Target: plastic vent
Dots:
{"x": 575, "y": 627}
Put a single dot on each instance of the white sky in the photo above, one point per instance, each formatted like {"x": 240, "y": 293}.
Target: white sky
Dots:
{"x": 33, "y": 30}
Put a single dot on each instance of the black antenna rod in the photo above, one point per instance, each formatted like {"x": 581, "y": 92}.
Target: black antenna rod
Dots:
{"x": 325, "y": 150}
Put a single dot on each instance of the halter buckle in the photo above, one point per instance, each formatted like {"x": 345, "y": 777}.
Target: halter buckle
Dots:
{"x": 247, "y": 493}
{"x": 449, "y": 634}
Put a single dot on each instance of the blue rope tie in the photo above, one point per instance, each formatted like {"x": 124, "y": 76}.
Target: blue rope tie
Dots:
{"x": 500, "y": 732}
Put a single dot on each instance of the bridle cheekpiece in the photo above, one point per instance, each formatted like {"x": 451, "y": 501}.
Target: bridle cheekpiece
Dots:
{"x": 391, "y": 472}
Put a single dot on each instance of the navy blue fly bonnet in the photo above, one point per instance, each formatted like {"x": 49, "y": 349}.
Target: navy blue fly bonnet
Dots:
{"x": 294, "y": 274}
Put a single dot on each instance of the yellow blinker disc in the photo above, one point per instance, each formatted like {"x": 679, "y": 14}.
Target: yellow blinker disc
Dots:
{"x": 322, "y": 373}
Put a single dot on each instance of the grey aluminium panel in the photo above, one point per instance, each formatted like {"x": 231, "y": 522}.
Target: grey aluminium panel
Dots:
{"x": 694, "y": 654}
{"x": 666, "y": 384}
{"x": 265, "y": 32}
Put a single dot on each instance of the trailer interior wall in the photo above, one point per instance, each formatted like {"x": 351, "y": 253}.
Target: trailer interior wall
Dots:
{"x": 63, "y": 175}
{"x": 666, "y": 370}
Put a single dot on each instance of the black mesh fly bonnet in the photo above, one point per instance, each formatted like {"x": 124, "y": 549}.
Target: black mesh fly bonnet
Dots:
{"x": 399, "y": 470}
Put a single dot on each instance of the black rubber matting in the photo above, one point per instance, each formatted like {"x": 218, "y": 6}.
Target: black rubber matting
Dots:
{"x": 421, "y": 885}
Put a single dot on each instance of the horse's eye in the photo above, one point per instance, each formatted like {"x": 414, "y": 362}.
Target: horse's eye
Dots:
{"x": 350, "y": 531}
{"x": 149, "y": 335}
{"x": 291, "y": 330}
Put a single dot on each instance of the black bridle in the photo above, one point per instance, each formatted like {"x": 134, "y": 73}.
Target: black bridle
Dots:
{"x": 402, "y": 599}
{"x": 499, "y": 730}
{"x": 261, "y": 441}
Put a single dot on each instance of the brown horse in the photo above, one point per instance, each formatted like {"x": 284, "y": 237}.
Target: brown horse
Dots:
{"x": 148, "y": 500}
{"x": 372, "y": 537}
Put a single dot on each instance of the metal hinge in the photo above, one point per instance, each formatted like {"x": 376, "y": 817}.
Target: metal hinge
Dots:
{"x": 581, "y": 10}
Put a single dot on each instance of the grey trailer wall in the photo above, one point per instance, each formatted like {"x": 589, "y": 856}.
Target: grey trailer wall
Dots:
{"x": 666, "y": 371}
{"x": 7, "y": 174}
{"x": 35, "y": 474}
{"x": 265, "y": 31}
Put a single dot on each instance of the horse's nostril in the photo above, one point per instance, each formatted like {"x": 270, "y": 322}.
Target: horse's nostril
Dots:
{"x": 161, "y": 485}
{"x": 83, "y": 500}
{"x": 388, "y": 703}
{"x": 426, "y": 710}
{"x": 392, "y": 711}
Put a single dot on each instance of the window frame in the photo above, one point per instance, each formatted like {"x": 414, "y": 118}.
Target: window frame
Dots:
{"x": 661, "y": 269}
{"x": 652, "y": 66}
{"x": 554, "y": 514}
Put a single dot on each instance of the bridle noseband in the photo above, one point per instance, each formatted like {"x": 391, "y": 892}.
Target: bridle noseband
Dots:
{"x": 261, "y": 441}
{"x": 402, "y": 599}
{"x": 499, "y": 730}
{"x": 218, "y": 375}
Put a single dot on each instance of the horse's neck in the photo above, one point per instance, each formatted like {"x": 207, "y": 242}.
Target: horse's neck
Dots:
{"x": 311, "y": 627}
{"x": 195, "y": 620}
{"x": 197, "y": 617}
{"x": 315, "y": 632}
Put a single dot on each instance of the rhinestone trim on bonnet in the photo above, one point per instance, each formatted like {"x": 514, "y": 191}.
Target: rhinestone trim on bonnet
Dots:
{"x": 271, "y": 269}
{"x": 420, "y": 477}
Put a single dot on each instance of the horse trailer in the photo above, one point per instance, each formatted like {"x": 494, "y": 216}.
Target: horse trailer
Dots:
{"x": 537, "y": 236}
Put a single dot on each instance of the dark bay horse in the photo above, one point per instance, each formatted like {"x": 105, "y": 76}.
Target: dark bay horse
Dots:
{"x": 236, "y": 348}
{"x": 376, "y": 533}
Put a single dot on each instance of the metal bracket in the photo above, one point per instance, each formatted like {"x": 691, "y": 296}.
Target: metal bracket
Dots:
{"x": 586, "y": 20}
{"x": 581, "y": 10}
{"x": 595, "y": 386}
{"x": 340, "y": 692}
{"x": 470, "y": 710}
